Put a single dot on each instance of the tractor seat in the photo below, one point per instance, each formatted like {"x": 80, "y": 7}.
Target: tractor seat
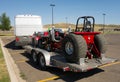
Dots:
{"x": 88, "y": 27}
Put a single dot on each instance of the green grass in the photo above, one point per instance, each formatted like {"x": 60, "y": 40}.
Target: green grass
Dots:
{"x": 22, "y": 75}
{"x": 4, "y": 76}
{"x": 6, "y": 33}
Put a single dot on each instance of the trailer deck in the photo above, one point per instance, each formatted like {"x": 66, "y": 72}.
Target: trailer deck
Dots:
{"x": 56, "y": 59}
{"x": 88, "y": 64}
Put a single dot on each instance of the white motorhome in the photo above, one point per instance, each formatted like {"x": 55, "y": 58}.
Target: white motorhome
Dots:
{"x": 25, "y": 26}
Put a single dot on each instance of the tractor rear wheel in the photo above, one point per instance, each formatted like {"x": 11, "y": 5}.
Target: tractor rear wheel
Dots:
{"x": 100, "y": 43}
{"x": 74, "y": 47}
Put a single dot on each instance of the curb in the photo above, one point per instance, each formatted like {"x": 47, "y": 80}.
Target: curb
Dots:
{"x": 13, "y": 70}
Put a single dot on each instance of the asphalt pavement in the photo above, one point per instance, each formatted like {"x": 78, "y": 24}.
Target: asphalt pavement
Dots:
{"x": 31, "y": 72}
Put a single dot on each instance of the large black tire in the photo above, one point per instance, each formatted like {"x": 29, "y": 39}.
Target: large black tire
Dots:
{"x": 100, "y": 43}
{"x": 40, "y": 43}
{"x": 34, "y": 42}
{"x": 34, "y": 57}
{"x": 44, "y": 46}
{"x": 77, "y": 47}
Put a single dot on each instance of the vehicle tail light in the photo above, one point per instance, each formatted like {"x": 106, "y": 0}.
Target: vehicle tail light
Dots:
{"x": 37, "y": 38}
{"x": 17, "y": 39}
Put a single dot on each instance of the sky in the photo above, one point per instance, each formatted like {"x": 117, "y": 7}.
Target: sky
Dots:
{"x": 70, "y": 9}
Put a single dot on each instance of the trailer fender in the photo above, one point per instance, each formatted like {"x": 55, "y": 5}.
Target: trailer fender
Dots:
{"x": 46, "y": 55}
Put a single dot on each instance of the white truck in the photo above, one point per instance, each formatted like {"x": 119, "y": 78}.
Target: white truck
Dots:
{"x": 25, "y": 26}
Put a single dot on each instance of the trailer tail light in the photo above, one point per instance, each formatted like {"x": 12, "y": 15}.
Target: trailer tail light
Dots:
{"x": 66, "y": 69}
{"x": 17, "y": 39}
{"x": 90, "y": 69}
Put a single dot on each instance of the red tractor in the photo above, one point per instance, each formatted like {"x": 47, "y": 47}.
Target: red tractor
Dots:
{"x": 83, "y": 42}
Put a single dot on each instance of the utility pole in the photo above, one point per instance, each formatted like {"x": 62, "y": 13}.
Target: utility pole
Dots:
{"x": 104, "y": 22}
{"x": 66, "y": 21}
{"x": 52, "y": 6}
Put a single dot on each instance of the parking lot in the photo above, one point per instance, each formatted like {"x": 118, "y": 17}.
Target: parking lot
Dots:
{"x": 32, "y": 73}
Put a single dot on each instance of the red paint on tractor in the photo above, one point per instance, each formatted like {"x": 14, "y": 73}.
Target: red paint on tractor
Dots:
{"x": 88, "y": 36}
{"x": 46, "y": 34}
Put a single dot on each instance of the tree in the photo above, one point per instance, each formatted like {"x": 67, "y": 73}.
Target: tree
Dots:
{"x": 4, "y": 22}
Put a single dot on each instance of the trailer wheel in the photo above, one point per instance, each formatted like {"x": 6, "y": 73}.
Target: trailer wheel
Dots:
{"x": 74, "y": 47}
{"x": 34, "y": 57}
{"x": 42, "y": 62}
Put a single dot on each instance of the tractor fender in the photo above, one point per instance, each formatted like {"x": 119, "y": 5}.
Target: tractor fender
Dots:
{"x": 46, "y": 55}
{"x": 52, "y": 32}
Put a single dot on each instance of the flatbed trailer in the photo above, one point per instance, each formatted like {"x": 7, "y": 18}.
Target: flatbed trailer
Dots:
{"x": 56, "y": 59}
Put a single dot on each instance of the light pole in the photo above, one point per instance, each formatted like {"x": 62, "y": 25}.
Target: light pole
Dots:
{"x": 66, "y": 21}
{"x": 103, "y": 22}
{"x": 52, "y": 5}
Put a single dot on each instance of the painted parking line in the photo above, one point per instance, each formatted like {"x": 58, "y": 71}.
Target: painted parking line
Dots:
{"x": 48, "y": 79}
{"x": 109, "y": 64}
{"x": 57, "y": 77}
{"x": 21, "y": 61}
